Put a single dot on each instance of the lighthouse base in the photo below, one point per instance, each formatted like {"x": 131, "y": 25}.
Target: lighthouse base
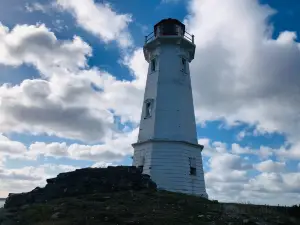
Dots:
{"x": 173, "y": 165}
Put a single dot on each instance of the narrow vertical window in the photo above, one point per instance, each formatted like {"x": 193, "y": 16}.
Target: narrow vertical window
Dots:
{"x": 184, "y": 66}
{"x": 148, "y": 108}
{"x": 193, "y": 166}
{"x": 153, "y": 65}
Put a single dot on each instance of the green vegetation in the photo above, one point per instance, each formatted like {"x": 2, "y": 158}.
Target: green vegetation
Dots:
{"x": 122, "y": 195}
{"x": 144, "y": 207}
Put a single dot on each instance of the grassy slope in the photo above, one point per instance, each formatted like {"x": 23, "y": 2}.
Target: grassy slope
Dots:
{"x": 142, "y": 207}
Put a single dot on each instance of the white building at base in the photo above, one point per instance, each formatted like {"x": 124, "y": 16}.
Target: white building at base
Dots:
{"x": 167, "y": 148}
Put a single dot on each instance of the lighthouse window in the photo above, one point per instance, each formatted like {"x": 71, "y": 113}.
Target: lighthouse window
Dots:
{"x": 148, "y": 108}
{"x": 153, "y": 65}
{"x": 192, "y": 166}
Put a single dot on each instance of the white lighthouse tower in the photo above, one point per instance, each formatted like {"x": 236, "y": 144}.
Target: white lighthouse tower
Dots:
{"x": 167, "y": 148}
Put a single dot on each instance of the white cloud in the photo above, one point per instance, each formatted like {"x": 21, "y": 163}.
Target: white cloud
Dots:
{"x": 37, "y": 45}
{"x": 217, "y": 148}
{"x": 27, "y": 178}
{"x": 292, "y": 153}
{"x": 100, "y": 19}
{"x": 114, "y": 149}
{"x": 37, "y": 106}
{"x": 10, "y": 147}
{"x": 263, "y": 152}
{"x": 239, "y": 71}
{"x": 204, "y": 141}
{"x": 26, "y": 174}
{"x": 231, "y": 176}
{"x": 244, "y": 133}
{"x": 64, "y": 104}
{"x": 275, "y": 182}
{"x": 226, "y": 176}
{"x": 103, "y": 165}
{"x": 228, "y": 162}
{"x": 228, "y": 180}
{"x": 35, "y": 6}
{"x": 270, "y": 166}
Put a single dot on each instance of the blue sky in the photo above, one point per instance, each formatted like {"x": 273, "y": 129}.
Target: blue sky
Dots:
{"x": 72, "y": 77}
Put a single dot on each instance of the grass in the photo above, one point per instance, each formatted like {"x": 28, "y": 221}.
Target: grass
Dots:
{"x": 140, "y": 207}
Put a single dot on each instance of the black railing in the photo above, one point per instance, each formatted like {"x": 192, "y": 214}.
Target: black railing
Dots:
{"x": 149, "y": 37}
{"x": 187, "y": 36}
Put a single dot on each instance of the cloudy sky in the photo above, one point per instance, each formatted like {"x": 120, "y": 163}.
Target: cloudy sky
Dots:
{"x": 72, "y": 78}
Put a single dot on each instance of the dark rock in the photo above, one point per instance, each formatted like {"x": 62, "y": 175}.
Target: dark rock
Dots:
{"x": 8, "y": 222}
{"x": 55, "y": 216}
{"x": 84, "y": 181}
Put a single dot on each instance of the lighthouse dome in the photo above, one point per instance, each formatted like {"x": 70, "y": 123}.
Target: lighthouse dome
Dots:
{"x": 169, "y": 27}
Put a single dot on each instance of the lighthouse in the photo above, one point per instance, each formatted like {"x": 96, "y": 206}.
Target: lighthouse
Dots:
{"x": 167, "y": 148}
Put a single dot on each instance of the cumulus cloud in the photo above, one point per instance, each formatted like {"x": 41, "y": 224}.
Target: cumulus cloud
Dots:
{"x": 100, "y": 19}
{"x": 229, "y": 180}
{"x": 114, "y": 149}
{"x": 36, "y": 107}
{"x": 36, "y": 45}
{"x": 64, "y": 103}
{"x": 271, "y": 166}
{"x": 26, "y": 178}
{"x": 263, "y": 152}
{"x": 275, "y": 183}
{"x": 240, "y": 71}
{"x": 226, "y": 168}
{"x": 289, "y": 152}
{"x": 231, "y": 176}
{"x": 10, "y": 147}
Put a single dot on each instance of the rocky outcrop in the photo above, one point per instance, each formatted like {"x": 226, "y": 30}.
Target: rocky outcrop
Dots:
{"x": 84, "y": 181}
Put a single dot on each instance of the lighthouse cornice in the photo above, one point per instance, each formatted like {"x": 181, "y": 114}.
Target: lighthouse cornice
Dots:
{"x": 200, "y": 147}
{"x": 180, "y": 41}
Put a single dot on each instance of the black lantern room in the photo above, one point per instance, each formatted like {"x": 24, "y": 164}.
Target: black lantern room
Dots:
{"x": 169, "y": 27}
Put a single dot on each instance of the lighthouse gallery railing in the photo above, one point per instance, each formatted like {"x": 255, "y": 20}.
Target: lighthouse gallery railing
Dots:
{"x": 187, "y": 36}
